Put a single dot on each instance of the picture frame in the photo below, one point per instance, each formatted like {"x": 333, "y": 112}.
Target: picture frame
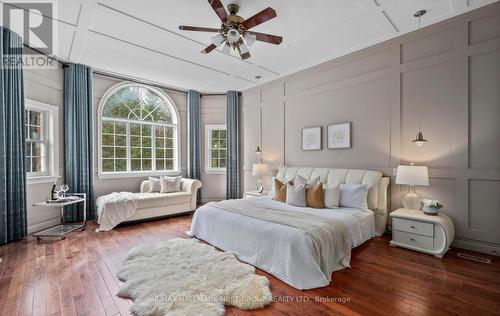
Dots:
{"x": 312, "y": 138}
{"x": 339, "y": 135}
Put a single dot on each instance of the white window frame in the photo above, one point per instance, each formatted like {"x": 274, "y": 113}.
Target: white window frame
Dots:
{"x": 208, "y": 148}
{"x": 175, "y": 123}
{"x": 50, "y": 128}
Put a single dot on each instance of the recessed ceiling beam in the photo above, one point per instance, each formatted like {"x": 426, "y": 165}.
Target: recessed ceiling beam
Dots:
{"x": 379, "y": 16}
{"x": 87, "y": 11}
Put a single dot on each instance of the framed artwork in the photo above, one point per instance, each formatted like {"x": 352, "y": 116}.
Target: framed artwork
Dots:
{"x": 339, "y": 135}
{"x": 311, "y": 138}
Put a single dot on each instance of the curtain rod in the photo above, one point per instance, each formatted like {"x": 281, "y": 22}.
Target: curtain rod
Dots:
{"x": 124, "y": 77}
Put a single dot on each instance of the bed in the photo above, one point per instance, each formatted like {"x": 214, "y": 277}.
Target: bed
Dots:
{"x": 287, "y": 252}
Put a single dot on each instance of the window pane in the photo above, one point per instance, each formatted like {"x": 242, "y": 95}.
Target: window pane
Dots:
{"x": 146, "y": 142}
{"x": 120, "y": 165}
{"x": 170, "y": 132}
{"x": 120, "y": 128}
{"x": 160, "y": 132}
{"x": 214, "y": 163}
{"x": 215, "y": 134}
{"x": 146, "y": 153}
{"x": 160, "y": 142}
{"x": 222, "y": 144}
{"x": 28, "y": 148}
{"x": 146, "y": 164}
{"x": 222, "y": 153}
{"x": 135, "y": 153}
{"x": 146, "y": 130}
{"x": 170, "y": 153}
{"x": 35, "y": 133}
{"x": 107, "y": 140}
{"x": 215, "y": 153}
{"x": 121, "y": 140}
{"x": 120, "y": 152}
{"x": 36, "y": 164}
{"x": 215, "y": 144}
{"x": 160, "y": 164}
{"x": 160, "y": 153}
{"x": 222, "y": 134}
{"x": 107, "y": 152}
{"x": 135, "y": 129}
{"x": 135, "y": 141}
{"x": 35, "y": 118}
{"x": 222, "y": 163}
{"x": 28, "y": 164}
{"x": 169, "y": 164}
{"x": 135, "y": 164}
{"x": 107, "y": 165}
{"x": 107, "y": 127}
{"x": 169, "y": 143}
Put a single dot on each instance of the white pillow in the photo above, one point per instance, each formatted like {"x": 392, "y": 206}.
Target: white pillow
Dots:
{"x": 170, "y": 184}
{"x": 300, "y": 180}
{"x": 296, "y": 195}
{"x": 354, "y": 195}
{"x": 154, "y": 185}
{"x": 332, "y": 195}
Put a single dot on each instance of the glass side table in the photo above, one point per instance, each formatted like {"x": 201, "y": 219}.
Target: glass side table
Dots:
{"x": 62, "y": 229}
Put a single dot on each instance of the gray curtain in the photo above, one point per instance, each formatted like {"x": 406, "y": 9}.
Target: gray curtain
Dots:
{"x": 233, "y": 185}
{"x": 194, "y": 135}
{"x": 78, "y": 138}
{"x": 12, "y": 142}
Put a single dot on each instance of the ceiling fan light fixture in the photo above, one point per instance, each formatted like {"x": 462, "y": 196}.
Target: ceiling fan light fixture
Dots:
{"x": 218, "y": 39}
{"x": 243, "y": 48}
{"x": 226, "y": 49}
{"x": 249, "y": 38}
{"x": 233, "y": 36}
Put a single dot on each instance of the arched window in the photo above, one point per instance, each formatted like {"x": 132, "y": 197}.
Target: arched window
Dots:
{"x": 138, "y": 131}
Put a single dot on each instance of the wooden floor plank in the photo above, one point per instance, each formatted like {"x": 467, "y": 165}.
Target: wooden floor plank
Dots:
{"x": 77, "y": 276}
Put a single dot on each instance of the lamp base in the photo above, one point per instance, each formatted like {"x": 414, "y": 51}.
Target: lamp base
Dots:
{"x": 412, "y": 200}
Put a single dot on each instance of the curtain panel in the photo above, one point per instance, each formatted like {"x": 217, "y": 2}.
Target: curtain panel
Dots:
{"x": 13, "y": 219}
{"x": 78, "y": 128}
{"x": 233, "y": 182}
{"x": 194, "y": 135}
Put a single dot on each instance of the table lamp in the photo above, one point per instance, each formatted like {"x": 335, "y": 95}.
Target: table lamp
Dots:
{"x": 412, "y": 175}
{"x": 259, "y": 170}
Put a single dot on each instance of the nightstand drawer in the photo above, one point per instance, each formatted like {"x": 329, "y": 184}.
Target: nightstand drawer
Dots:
{"x": 414, "y": 240}
{"x": 410, "y": 226}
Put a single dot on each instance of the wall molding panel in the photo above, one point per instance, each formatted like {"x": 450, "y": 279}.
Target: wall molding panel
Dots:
{"x": 446, "y": 74}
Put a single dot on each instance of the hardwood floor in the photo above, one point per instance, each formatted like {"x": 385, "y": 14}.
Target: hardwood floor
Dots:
{"x": 77, "y": 276}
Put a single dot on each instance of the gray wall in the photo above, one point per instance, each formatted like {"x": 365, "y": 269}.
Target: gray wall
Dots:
{"x": 450, "y": 70}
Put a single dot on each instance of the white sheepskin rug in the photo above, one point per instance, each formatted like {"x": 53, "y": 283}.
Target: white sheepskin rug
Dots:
{"x": 186, "y": 277}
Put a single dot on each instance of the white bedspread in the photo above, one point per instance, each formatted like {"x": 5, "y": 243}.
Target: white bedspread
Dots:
{"x": 284, "y": 251}
{"x": 114, "y": 208}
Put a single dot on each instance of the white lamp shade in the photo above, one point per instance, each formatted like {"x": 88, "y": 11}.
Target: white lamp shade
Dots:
{"x": 259, "y": 169}
{"x": 249, "y": 38}
{"x": 233, "y": 36}
{"x": 218, "y": 39}
{"x": 412, "y": 175}
{"x": 226, "y": 49}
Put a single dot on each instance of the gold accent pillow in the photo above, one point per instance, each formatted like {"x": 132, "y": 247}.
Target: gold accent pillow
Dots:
{"x": 315, "y": 196}
{"x": 280, "y": 190}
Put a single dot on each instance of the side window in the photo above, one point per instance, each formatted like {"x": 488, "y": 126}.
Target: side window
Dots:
{"x": 216, "y": 148}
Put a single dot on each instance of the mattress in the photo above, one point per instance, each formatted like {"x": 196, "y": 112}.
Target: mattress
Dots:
{"x": 283, "y": 251}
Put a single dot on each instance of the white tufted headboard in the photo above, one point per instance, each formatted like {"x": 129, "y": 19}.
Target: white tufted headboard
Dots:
{"x": 377, "y": 196}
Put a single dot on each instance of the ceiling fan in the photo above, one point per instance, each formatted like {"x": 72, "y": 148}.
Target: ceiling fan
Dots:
{"x": 234, "y": 31}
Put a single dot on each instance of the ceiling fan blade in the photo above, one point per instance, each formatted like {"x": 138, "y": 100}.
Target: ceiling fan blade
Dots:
{"x": 196, "y": 28}
{"x": 261, "y": 17}
{"x": 219, "y": 9}
{"x": 268, "y": 38}
{"x": 208, "y": 49}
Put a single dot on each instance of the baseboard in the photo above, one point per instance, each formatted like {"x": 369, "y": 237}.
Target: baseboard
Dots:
{"x": 479, "y": 246}
{"x": 211, "y": 199}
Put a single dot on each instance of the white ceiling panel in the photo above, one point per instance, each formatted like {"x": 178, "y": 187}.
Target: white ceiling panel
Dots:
{"x": 400, "y": 12}
{"x": 142, "y": 39}
{"x": 118, "y": 57}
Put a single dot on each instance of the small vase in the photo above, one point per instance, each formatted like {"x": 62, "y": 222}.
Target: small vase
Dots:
{"x": 430, "y": 210}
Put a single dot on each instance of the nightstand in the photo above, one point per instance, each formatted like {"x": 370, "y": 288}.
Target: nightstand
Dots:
{"x": 414, "y": 230}
{"x": 254, "y": 193}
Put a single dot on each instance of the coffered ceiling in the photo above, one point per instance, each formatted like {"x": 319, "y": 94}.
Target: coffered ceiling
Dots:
{"x": 141, "y": 39}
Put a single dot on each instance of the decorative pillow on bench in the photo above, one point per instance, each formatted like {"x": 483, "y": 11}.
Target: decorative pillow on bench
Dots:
{"x": 170, "y": 184}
